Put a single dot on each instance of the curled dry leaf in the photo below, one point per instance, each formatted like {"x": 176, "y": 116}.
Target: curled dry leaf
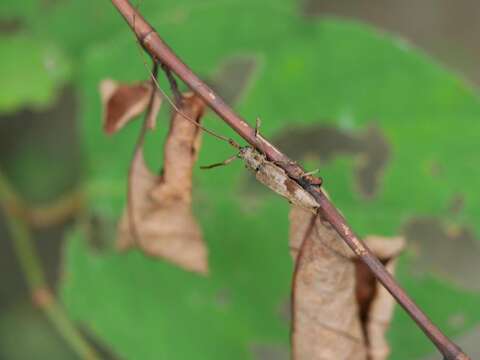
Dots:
{"x": 161, "y": 222}
{"x": 123, "y": 102}
{"x": 338, "y": 309}
{"x": 375, "y": 302}
{"x": 325, "y": 322}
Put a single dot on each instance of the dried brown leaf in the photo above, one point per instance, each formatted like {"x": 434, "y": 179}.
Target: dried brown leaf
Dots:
{"x": 375, "y": 302}
{"x": 325, "y": 322}
{"x": 161, "y": 222}
{"x": 339, "y": 310}
{"x": 123, "y": 102}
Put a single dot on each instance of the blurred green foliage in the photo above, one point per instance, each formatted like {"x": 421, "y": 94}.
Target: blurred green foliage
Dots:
{"x": 31, "y": 71}
{"x": 328, "y": 72}
{"x": 35, "y": 334}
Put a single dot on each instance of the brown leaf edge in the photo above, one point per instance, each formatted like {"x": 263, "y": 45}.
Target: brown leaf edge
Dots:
{"x": 123, "y": 102}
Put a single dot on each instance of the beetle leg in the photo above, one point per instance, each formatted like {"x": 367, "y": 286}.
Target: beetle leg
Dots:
{"x": 225, "y": 162}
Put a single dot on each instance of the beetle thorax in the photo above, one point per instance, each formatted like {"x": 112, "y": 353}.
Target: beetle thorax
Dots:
{"x": 253, "y": 159}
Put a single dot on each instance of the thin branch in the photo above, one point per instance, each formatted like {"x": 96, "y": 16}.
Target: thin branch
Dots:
{"x": 173, "y": 84}
{"x": 160, "y": 52}
{"x": 45, "y": 215}
{"x": 35, "y": 277}
{"x": 179, "y": 111}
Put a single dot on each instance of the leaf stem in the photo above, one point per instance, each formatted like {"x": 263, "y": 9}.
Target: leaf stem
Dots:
{"x": 43, "y": 215}
{"x": 35, "y": 277}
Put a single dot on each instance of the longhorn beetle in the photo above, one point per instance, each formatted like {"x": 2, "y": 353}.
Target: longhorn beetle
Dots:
{"x": 273, "y": 176}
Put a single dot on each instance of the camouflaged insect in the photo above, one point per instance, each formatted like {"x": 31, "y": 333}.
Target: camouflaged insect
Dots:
{"x": 275, "y": 178}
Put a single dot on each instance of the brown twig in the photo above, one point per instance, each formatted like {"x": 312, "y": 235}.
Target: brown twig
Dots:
{"x": 161, "y": 53}
{"x": 173, "y": 84}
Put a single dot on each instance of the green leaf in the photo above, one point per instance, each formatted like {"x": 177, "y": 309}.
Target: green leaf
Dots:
{"x": 331, "y": 73}
{"x": 31, "y": 72}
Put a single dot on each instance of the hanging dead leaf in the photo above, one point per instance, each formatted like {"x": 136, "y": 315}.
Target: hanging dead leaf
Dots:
{"x": 161, "y": 222}
{"x": 376, "y": 305}
{"x": 123, "y": 102}
{"x": 339, "y": 311}
{"x": 325, "y": 321}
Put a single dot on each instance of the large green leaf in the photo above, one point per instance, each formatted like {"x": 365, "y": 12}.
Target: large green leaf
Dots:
{"x": 341, "y": 74}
